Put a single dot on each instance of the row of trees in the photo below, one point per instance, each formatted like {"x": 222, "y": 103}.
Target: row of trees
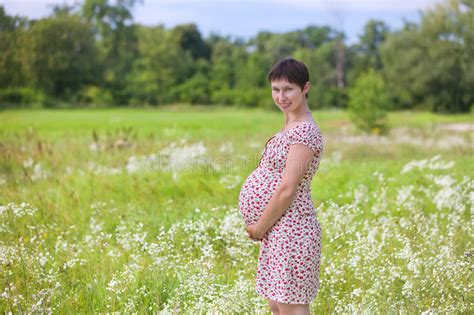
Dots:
{"x": 95, "y": 54}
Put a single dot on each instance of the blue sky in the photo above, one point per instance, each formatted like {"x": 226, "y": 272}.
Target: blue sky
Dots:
{"x": 245, "y": 18}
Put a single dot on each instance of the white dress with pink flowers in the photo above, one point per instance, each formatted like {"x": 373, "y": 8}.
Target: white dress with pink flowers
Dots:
{"x": 290, "y": 252}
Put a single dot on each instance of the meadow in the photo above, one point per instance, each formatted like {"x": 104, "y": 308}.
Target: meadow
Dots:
{"x": 135, "y": 210}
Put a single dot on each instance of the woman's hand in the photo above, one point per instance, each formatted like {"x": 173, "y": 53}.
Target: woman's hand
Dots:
{"x": 254, "y": 233}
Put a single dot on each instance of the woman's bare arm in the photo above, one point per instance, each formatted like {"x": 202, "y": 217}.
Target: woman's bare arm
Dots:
{"x": 297, "y": 164}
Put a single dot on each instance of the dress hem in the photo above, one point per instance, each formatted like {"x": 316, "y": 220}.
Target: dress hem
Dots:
{"x": 277, "y": 299}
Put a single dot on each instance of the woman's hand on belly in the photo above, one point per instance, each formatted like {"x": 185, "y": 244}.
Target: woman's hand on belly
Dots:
{"x": 254, "y": 233}
{"x": 296, "y": 167}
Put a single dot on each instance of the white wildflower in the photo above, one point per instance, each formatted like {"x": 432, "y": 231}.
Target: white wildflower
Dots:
{"x": 230, "y": 181}
{"x": 226, "y": 148}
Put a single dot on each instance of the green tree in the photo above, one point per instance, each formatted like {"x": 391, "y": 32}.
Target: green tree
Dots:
{"x": 252, "y": 72}
{"x": 227, "y": 73}
{"x": 316, "y": 36}
{"x": 366, "y": 53}
{"x": 222, "y": 64}
{"x": 161, "y": 65}
{"x": 11, "y": 27}
{"x": 431, "y": 65}
{"x": 323, "y": 75}
{"x": 196, "y": 90}
{"x": 58, "y": 55}
{"x": 190, "y": 39}
{"x": 277, "y": 46}
{"x": 368, "y": 102}
{"x": 117, "y": 42}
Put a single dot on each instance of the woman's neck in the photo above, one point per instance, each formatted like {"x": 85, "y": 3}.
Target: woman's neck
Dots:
{"x": 301, "y": 114}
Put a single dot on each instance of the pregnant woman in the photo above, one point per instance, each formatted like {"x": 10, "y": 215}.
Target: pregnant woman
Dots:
{"x": 275, "y": 200}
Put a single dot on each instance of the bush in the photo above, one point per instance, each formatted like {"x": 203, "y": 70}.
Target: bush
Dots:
{"x": 94, "y": 96}
{"x": 194, "y": 91}
{"x": 243, "y": 97}
{"x": 368, "y": 102}
{"x": 223, "y": 96}
{"x": 324, "y": 96}
{"x": 22, "y": 97}
{"x": 249, "y": 97}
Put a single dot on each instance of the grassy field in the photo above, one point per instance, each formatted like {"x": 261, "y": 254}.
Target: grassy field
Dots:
{"x": 134, "y": 210}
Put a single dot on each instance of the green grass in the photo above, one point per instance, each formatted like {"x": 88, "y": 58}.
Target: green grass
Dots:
{"x": 186, "y": 249}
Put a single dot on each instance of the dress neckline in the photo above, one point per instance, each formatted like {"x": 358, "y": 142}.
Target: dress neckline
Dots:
{"x": 283, "y": 131}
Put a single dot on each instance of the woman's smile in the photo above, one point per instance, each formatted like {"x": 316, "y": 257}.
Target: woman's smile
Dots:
{"x": 287, "y": 96}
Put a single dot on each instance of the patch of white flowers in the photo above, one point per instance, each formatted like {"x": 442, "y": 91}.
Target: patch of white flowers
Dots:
{"x": 35, "y": 170}
{"x": 400, "y": 253}
{"x": 18, "y": 210}
{"x": 230, "y": 181}
{"x": 388, "y": 249}
{"x": 183, "y": 156}
{"x": 411, "y": 137}
{"x": 435, "y": 163}
{"x": 226, "y": 148}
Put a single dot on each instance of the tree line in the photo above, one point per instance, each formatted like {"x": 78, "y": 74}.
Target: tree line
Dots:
{"x": 94, "y": 54}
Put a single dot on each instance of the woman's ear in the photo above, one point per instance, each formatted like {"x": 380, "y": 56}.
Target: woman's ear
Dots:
{"x": 306, "y": 87}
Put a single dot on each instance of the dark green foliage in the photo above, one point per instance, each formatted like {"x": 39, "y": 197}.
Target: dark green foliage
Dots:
{"x": 93, "y": 54}
{"x": 368, "y": 102}
{"x": 58, "y": 55}
{"x": 195, "y": 90}
{"x": 10, "y": 67}
{"x": 23, "y": 97}
{"x": 189, "y": 39}
{"x": 117, "y": 42}
{"x": 430, "y": 65}
{"x": 366, "y": 53}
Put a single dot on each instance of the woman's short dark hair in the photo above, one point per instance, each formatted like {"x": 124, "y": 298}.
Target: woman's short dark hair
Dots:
{"x": 290, "y": 69}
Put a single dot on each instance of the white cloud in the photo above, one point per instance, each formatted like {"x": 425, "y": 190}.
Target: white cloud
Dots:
{"x": 33, "y": 9}
{"x": 225, "y": 16}
{"x": 361, "y": 4}
{"x": 39, "y": 8}
{"x": 345, "y": 4}
{"x": 354, "y": 5}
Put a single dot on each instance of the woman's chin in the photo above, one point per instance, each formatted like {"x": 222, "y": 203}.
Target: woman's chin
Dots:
{"x": 285, "y": 109}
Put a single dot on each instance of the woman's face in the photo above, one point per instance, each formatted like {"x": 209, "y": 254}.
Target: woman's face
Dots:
{"x": 288, "y": 96}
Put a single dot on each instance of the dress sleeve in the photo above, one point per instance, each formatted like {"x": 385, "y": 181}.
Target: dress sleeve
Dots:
{"x": 308, "y": 135}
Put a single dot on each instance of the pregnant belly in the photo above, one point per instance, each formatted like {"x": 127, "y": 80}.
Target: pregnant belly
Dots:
{"x": 255, "y": 194}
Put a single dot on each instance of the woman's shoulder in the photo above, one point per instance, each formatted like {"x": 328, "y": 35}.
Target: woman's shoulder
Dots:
{"x": 305, "y": 127}
{"x": 307, "y": 133}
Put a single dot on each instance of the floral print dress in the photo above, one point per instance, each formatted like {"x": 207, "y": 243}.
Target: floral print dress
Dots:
{"x": 290, "y": 252}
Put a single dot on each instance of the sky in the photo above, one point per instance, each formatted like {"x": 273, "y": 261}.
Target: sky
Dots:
{"x": 245, "y": 18}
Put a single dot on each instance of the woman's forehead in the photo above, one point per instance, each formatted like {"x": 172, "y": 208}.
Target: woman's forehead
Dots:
{"x": 281, "y": 83}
